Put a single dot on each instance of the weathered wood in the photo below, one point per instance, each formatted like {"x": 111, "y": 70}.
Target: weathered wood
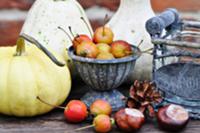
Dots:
{"x": 168, "y": 42}
{"x": 54, "y": 121}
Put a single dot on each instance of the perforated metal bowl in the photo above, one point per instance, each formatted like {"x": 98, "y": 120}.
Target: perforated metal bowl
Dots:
{"x": 103, "y": 75}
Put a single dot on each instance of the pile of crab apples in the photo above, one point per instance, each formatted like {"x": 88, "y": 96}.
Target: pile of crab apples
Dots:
{"x": 170, "y": 118}
{"x": 76, "y": 111}
{"x": 101, "y": 46}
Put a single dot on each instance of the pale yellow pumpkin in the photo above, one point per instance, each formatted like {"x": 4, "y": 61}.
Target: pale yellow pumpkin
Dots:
{"x": 26, "y": 75}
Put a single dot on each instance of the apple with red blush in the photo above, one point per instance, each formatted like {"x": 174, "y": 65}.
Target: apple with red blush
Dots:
{"x": 121, "y": 49}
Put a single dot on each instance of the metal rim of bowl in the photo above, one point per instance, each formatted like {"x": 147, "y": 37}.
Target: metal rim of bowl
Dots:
{"x": 132, "y": 57}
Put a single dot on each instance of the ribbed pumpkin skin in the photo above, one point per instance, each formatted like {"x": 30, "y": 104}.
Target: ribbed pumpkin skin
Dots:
{"x": 23, "y": 78}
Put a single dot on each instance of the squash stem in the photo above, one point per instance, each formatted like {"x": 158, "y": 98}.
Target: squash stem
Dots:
{"x": 41, "y": 47}
{"x": 20, "y": 50}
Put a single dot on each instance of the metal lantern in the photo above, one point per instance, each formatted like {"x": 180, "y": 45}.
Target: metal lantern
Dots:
{"x": 176, "y": 70}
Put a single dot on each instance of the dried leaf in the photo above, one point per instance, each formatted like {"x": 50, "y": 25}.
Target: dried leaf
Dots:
{"x": 132, "y": 91}
{"x": 140, "y": 94}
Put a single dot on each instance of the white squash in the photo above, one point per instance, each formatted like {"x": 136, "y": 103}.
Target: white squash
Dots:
{"x": 129, "y": 24}
{"x": 46, "y": 16}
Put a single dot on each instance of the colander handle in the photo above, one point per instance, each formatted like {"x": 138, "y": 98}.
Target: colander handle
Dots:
{"x": 157, "y": 24}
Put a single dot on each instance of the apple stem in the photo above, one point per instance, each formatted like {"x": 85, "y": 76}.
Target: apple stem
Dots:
{"x": 104, "y": 23}
{"x": 90, "y": 126}
{"x": 75, "y": 39}
{"x": 147, "y": 51}
{"x": 80, "y": 129}
{"x": 83, "y": 128}
{"x": 105, "y": 19}
{"x": 70, "y": 29}
{"x": 49, "y": 103}
{"x": 140, "y": 43}
{"x": 65, "y": 33}
{"x": 88, "y": 27}
{"x": 112, "y": 121}
{"x": 103, "y": 31}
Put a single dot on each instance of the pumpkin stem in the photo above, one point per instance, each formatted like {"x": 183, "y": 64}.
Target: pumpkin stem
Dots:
{"x": 20, "y": 47}
{"x": 41, "y": 47}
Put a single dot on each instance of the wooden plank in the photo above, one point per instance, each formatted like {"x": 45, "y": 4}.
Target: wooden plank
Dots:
{"x": 54, "y": 121}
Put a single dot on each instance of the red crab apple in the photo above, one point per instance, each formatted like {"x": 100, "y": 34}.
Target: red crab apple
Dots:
{"x": 79, "y": 39}
{"x": 87, "y": 49}
{"x": 172, "y": 117}
{"x": 74, "y": 112}
{"x": 103, "y": 35}
{"x": 129, "y": 120}
{"x": 100, "y": 107}
{"x": 121, "y": 49}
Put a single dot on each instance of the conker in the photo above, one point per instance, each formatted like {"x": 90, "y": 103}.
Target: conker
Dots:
{"x": 172, "y": 117}
{"x": 129, "y": 119}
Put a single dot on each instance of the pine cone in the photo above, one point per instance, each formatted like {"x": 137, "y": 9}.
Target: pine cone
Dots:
{"x": 143, "y": 95}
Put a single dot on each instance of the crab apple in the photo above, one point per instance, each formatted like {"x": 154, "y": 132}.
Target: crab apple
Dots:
{"x": 100, "y": 107}
{"x": 103, "y": 47}
{"x": 105, "y": 56}
{"x": 121, "y": 49}
{"x": 87, "y": 49}
{"x": 75, "y": 111}
{"x": 79, "y": 39}
{"x": 103, "y": 35}
{"x": 102, "y": 123}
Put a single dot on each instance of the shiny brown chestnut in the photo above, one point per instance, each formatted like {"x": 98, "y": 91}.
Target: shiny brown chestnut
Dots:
{"x": 172, "y": 117}
{"x": 129, "y": 119}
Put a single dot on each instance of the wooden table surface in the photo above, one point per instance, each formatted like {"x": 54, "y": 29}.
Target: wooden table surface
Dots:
{"x": 54, "y": 121}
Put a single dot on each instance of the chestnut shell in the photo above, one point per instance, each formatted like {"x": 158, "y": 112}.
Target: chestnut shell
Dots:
{"x": 167, "y": 123}
{"x": 128, "y": 123}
